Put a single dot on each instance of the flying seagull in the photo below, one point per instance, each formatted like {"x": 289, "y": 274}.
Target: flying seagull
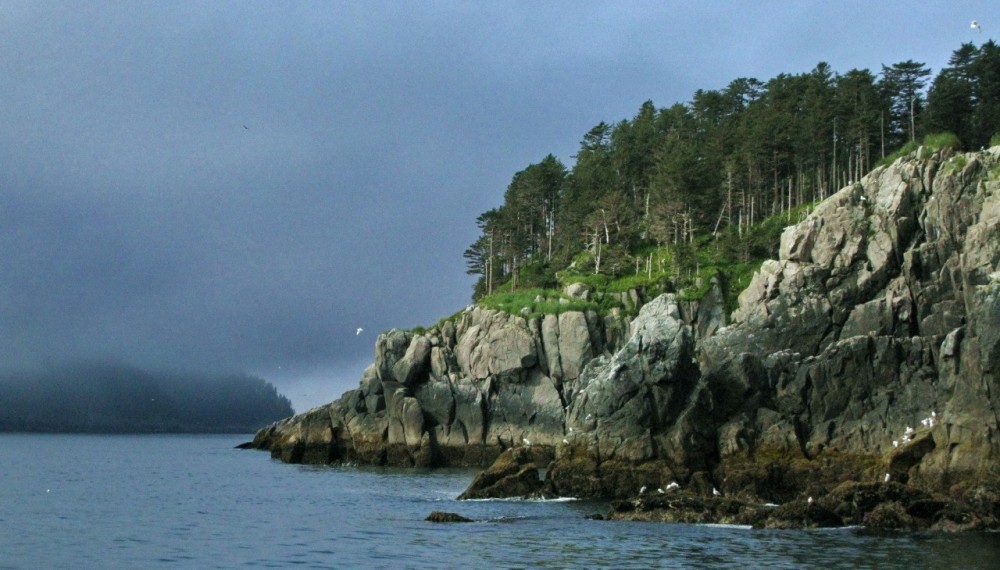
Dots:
{"x": 359, "y": 331}
{"x": 975, "y": 26}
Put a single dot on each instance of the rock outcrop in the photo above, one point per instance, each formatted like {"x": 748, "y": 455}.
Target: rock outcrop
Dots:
{"x": 869, "y": 349}
{"x": 457, "y": 395}
{"x": 513, "y": 474}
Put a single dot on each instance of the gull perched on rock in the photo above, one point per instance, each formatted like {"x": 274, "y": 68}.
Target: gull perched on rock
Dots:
{"x": 673, "y": 485}
{"x": 526, "y": 442}
{"x": 642, "y": 490}
{"x": 715, "y": 492}
{"x": 887, "y": 478}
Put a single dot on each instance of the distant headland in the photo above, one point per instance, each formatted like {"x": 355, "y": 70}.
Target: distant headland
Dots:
{"x": 109, "y": 397}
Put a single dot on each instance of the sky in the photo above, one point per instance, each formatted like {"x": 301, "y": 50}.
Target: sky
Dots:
{"x": 239, "y": 186}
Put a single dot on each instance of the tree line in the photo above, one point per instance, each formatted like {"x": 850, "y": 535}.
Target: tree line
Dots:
{"x": 723, "y": 162}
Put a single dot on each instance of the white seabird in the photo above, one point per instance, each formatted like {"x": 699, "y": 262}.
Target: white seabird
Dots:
{"x": 673, "y": 485}
{"x": 809, "y": 500}
{"x": 887, "y": 477}
{"x": 715, "y": 492}
{"x": 975, "y": 26}
{"x": 359, "y": 331}
{"x": 660, "y": 490}
{"x": 526, "y": 442}
{"x": 642, "y": 490}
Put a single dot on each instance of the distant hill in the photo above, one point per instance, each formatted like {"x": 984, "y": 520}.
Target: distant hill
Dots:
{"x": 116, "y": 398}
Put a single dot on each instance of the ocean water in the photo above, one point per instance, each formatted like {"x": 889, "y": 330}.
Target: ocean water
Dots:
{"x": 192, "y": 501}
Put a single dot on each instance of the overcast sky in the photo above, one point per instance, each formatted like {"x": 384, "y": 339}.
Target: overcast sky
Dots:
{"x": 240, "y": 185}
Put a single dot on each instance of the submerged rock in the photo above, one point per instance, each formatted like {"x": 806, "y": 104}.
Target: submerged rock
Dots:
{"x": 443, "y": 517}
{"x": 686, "y": 507}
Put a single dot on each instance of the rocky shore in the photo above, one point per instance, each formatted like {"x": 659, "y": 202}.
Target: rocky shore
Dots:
{"x": 860, "y": 369}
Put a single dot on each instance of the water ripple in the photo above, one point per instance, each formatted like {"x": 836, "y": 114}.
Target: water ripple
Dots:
{"x": 193, "y": 501}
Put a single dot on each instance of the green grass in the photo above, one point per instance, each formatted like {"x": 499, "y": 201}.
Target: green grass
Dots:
{"x": 994, "y": 173}
{"x": 995, "y": 140}
{"x": 937, "y": 141}
{"x": 931, "y": 143}
{"x": 906, "y": 149}
{"x": 540, "y": 302}
{"x": 687, "y": 269}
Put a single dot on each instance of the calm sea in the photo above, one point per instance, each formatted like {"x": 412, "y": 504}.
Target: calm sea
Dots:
{"x": 192, "y": 501}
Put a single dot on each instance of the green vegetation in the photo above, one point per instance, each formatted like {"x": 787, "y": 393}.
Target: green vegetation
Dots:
{"x": 938, "y": 141}
{"x": 906, "y": 149}
{"x": 732, "y": 259}
{"x": 931, "y": 143}
{"x": 677, "y": 196}
{"x": 531, "y": 303}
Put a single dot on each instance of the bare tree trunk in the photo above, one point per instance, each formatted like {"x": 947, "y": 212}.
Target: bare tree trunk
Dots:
{"x": 489, "y": 268}
{"x": 881, "y": 126}
{"x": 722, "y": 213}
{"x": 729, "y": 197}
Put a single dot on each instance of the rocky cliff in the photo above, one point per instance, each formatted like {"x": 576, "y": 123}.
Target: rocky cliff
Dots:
{"x": 871, "y": 348}
{"x": 456, "y": 396}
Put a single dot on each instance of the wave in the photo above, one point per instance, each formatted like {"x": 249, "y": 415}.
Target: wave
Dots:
{"x": 523, "y": 500}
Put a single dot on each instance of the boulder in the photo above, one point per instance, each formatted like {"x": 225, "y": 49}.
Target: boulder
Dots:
{"x": 414, "y": 363}
{"x": 513, "y": 474}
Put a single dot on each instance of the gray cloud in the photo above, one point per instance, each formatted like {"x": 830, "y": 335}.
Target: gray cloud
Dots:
{"x": 239, "y": 185}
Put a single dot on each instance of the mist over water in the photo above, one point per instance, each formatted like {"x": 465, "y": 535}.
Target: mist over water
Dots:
{"x": 110, "y": 397}
{"x": 194, "y": 501}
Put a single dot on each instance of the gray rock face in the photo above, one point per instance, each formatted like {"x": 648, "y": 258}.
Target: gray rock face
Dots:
{"x": 457, "y": 395}
{"x": 883, "y": 310}
{"x": 632, "y": 405}
{"x": 872, "y": 308}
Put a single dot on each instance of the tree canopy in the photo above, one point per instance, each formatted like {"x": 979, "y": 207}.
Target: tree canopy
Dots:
{"x": 722, "y": 162}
